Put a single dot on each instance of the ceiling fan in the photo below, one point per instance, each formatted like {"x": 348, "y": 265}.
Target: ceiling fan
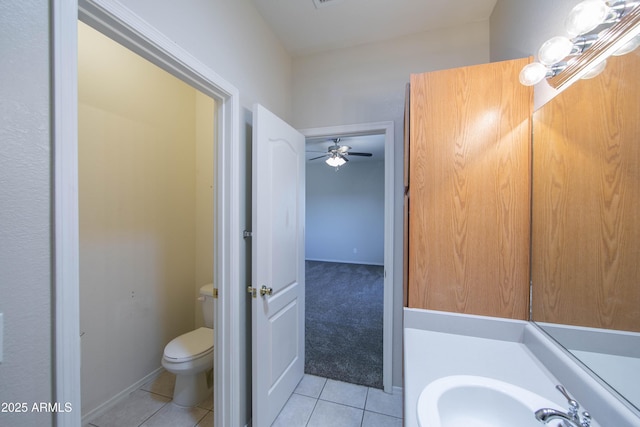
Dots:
{"x": 337, "y": 155}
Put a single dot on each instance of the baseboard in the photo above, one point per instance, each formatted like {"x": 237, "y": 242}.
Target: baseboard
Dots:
{"x": 342, "y": 261}
{"x": 95, "y": 413}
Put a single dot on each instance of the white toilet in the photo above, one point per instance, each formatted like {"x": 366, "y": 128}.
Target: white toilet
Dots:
{"x": 190, "y": 357}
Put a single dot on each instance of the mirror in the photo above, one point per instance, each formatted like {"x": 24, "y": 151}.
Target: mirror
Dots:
{"x": 585, "y": 267}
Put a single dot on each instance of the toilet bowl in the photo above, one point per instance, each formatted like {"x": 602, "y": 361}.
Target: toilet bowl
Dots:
{"x": 190, "y": 358}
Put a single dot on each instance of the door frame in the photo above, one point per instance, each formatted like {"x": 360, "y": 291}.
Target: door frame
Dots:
{"x": 387, "y": 129}
{"x": 126, "y": 28}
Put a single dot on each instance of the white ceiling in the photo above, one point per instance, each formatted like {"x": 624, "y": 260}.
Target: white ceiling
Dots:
{"x": 304, "y": 29}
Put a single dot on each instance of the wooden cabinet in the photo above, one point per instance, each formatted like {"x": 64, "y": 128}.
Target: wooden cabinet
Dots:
{"x": 469, "y": 167}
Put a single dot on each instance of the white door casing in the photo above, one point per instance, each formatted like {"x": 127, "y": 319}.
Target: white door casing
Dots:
{"x": 386, "y": 129}
{"x": 117, "y": 22}
{"x": 278, "y": 264}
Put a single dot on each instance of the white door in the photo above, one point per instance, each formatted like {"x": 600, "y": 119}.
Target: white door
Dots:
{"x": 277, "y": 301}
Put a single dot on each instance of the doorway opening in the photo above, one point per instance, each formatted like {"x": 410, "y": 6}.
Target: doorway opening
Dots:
{"x": 127, "y": 29}
{"x": 146, "y": 143}
{"x": 349, "y": 245}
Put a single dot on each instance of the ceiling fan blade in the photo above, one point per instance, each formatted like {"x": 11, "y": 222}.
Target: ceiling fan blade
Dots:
{"x": 360, "y": 154}
{"x": 319, "y": 157}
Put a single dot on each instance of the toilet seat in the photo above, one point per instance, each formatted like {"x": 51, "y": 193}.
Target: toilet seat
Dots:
{"x": 190, "y": 346}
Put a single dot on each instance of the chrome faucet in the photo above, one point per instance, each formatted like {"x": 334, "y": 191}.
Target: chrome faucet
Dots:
{"x": 547, "y": 414}
{"x": 571, "y": 418}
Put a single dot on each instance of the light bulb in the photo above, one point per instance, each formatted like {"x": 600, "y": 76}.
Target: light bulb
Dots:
{"x": 533, "y": 73}
{"x": 595, "y": 70}
{"x": 555, "y": 50}
{"x": 586, "y": 16}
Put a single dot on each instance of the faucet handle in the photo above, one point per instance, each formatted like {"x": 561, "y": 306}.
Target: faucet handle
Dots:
{"x": 564, "y": 392}
{"x": 573, "y": 404}
{"x": 586, "y": 419}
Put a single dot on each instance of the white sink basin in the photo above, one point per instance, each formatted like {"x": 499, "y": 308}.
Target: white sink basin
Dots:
{"x": 472, "y": 401}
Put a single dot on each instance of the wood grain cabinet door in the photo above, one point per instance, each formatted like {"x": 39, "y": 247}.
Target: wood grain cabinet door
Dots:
{"x": 586, "y": 202}
{"x": 469, "y": 167}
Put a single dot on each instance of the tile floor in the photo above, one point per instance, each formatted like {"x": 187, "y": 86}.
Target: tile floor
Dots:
{"x": 316, "y": 402}
{"x": 150, "y": 406}
{"x": 319, "y": 402}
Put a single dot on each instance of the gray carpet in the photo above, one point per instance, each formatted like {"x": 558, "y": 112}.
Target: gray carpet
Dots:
{"x": 344, "y": 318}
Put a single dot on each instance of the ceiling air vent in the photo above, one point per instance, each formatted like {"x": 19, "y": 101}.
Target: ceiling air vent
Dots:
{"x": 324, "y": 3}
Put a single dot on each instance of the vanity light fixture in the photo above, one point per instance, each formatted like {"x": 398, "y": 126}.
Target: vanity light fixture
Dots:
{"x": 557, "y": 48}
{"x": 599, "y": 28}
{"x": 629, "y": 47}
{"x": 588, "y": 14}
{"x": 535, "y": 72}
{"x": 595, "y": 70}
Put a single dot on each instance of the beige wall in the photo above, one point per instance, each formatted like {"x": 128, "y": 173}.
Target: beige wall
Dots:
{"x": 139, "y": 131}
{"x": 205, "y": 175}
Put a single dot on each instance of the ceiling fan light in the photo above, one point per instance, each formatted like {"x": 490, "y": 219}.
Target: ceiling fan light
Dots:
{"x": 335, "y": 161}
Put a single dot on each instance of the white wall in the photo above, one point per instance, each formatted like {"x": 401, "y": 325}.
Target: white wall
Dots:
{"x": 345, "y": 213}
{"x": 25, "y": 213}
{"x": 137, "y": 198}
{"x": 367, "y": 84}
{"x": 518, "y": 29}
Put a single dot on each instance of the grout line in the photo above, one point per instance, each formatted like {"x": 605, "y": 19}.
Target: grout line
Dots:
{"x": 312, "y": 411}
{"x": 316, "y": 404}
{"x": 366, "y": 398}
{"x": 150, "y": 416}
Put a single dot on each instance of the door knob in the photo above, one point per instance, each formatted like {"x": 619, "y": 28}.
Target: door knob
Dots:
{"x": 265, "y": 291}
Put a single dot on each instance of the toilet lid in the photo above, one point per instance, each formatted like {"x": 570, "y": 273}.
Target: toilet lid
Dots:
{"x": 190, "y": 345}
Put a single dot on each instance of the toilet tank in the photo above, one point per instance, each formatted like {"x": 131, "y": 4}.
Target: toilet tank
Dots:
{"x": 206, "y": 297}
